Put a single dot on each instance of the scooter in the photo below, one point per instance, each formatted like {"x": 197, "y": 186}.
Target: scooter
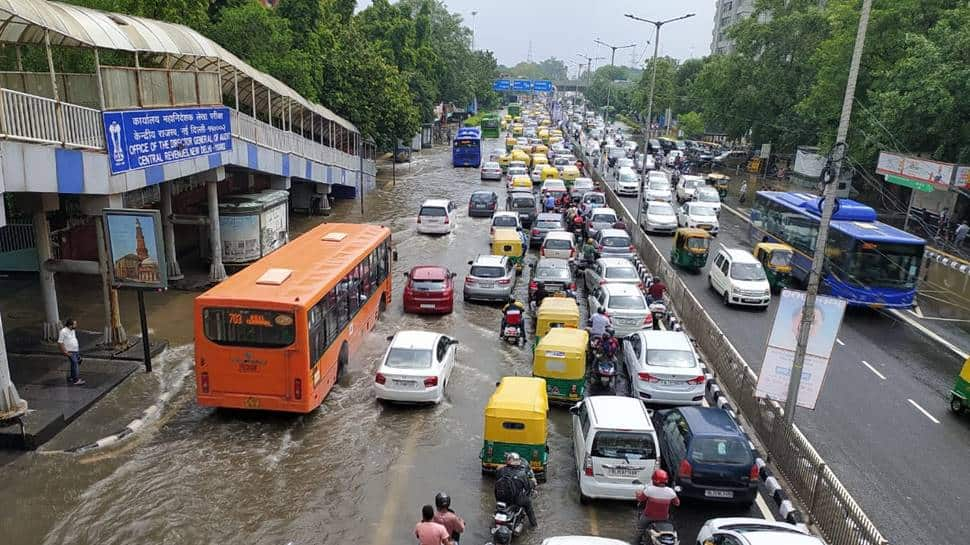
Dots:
{"x": 605, "y": 372}
{"x": 511, "y": 516}
{"x": 511, "y": 332}
{"x": 659, "y": 311}
{"x": 661, "y": 533}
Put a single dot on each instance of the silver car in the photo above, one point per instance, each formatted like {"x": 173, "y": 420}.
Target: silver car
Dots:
{"x": 581, "y": 186}
{"x": 491, "y": 171}
{"x": 664, "y": 368}
{"x": 614, "y": 243}
{"x": 545, "y": 222}
{"x": 611, "y": 270}
{"x": 600, "y": 218}
{"x": 625, "y": 305}
{"x": 658, "y": 217}
{"x": 554, "y": 273}
{"x": 491, "y": 278}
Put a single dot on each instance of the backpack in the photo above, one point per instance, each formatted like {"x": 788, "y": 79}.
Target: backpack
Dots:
{"x": 507, "y": 487}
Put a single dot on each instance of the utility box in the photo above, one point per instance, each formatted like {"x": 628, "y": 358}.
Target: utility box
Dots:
{"x": 253, "y": 225}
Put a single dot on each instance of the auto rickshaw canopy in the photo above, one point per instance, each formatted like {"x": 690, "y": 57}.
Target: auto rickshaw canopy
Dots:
{"x": 506, "y": 241}
{"x": 516, "y": 411}
{"x": 561, "y": 354}
{"x": 692, "y": 239}
{"x": 556, "y": 310}
{"x": 779, "y": 255}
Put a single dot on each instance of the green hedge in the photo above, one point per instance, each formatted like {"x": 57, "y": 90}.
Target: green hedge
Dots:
{"x": 473, "y": 121}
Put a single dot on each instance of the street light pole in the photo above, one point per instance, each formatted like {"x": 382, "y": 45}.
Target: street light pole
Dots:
{"x": 589, "y": 67}
{"x": 474, "y": 13}
{"x": 653, "y": 82}
{"x": 609, "y": 89}
{"x": 838, "y": 155}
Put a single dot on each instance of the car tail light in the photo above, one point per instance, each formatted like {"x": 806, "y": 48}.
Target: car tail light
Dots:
{"x": 380, "y": 378}
{"x": 533, "y": 285}
{"x": 684, "y": 471}
{"x": 603, "y": 282}
{"x": 430, "y": 382}
{"x": 633, "y": 248}
{"x": 572, "y": 286}
{"x": 647, "y": 377}
{"x": 572, "y": 252}
{"x": 542, "y": 251}
{"x": 599, "y": 247}
{"x": 535, "y": 231}
{"x": 447, "y": 220}
{"x": 640, "y": 285}
{"x": 504, "y": 281}
{"x": 648, "y": 319}
{"x": 588, "y": 466}
{"x": 204, "y": 379}
{"x": 755, "y": 473}
{"x": 297, "y": 388}
{"x": 469, "y": 280}
{"x": 697, "y": 380}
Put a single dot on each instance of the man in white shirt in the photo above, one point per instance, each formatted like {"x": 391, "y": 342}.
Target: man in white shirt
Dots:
{"x": 67, "y": 342}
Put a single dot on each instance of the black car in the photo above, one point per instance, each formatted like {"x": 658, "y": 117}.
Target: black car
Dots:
{"x": 707, "y": 454}
{"x": 482, "y": 204}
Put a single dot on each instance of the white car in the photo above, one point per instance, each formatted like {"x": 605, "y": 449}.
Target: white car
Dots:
{"x": 672, "y": 156}
{"x": 651, "y": 162}
{"x": 599, "y": 218}
{"x": 699, "y": 215}
{"x": 755, "y": 531}
{"x": 615, "y": 447}
{"x": 739, "y": 278}
{"x": 505, "y": 219}
{"x": 687, "y": 186}
{"x": 664, "y": 368}
{"x": 416, "y": 367}
{"x": 658, "y": 187}
{"x": 580, "y": 187}
{"x": 536, "y": 174}
{"x": 560, "y": 244}
{"x": 709, "y": 196}
{"x": 658, "y": 217}
{"x": 581, "y": 540}
{"x": 436, "y": 217}
{"x": 627, "y": 182}
{"x": 620, "y": 164}
{"x": 491, "y": 171}
{"x": 513, "y": 172}
{"x": 611, "y": 270}
{"x": 625, "y": 305}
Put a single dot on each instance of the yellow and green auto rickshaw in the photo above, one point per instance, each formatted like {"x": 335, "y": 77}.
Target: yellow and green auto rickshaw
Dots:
{"x": 515, "y": 421}
{"x": 690, "y": 247}
{"x": 548, "y": 172}
{"x": 560, "y": 359}
{"x": 960, "y": 394}
{"x": 776, "y": 259}
{"x": 517, "y": 129}
{"x": 510, "y": 143}
{"x": 719, "y": 182}
{"x": 508, "y": 242}
{"x": 541, "y": 148}
{"x": 569, "y": 175}
{"x": 503, "y": 161}
{"x": 556, "y": 312}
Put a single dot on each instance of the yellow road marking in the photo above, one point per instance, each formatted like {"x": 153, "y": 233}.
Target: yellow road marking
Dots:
{"x": 594, "y": 523}
{"x": 399, "y": 481}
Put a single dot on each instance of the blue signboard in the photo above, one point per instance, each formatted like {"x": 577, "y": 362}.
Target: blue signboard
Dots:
{"x": 522, "y": 85}
{"x": 501, "y": 85}
{"x": 143, "y": 138}
{"x": 542, "y": 86}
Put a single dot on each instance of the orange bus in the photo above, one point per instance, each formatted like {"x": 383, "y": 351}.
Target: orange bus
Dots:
{"x": 278, "y": 334}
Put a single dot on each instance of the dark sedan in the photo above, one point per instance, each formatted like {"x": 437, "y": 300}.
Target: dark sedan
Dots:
{"x": 482, "y": 204}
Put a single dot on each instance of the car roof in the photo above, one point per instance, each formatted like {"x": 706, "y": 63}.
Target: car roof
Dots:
{"x": 582, "y": 180}
{"x": 613, "y": 233}
{"x": 553, "y": 262}
{"x": 505, "y": 213}
{"x": 435, "y": 202}
{"x": 709, "y": 420}
{"x": 693, "y": 177}
{"x": 484, "y": 192}
{"x": 615, "y": 262}
{"x": 560, "y": 234}
{"x": 666, "y": 340}
{"x": 589, "y": 193}
{"x": 740, "y": 256}
{"x": 489, "y": 163}
{"x": 415, "y": 339}
{"x": 722, "y": 523}
{"x": 619, "y": 413}
{"x": 621, "y": 289}
{"x": 665, "y": 203}
{"x": 546, "y": 216}
{"x": 603, "y": 210}
{"x": 490, "y": 260}
{"x": 428, "y": 272}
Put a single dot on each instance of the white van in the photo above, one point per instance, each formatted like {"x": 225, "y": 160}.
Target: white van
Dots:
{"x": 739, "y": 278}
{"x": 615, "y": 446}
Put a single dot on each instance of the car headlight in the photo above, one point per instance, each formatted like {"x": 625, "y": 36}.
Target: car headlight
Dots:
{"x": 736, "y": 290}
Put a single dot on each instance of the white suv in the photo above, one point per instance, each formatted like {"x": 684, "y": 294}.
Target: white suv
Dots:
{"x": 738, "y": 277}
{"x": 437, "y": 216}
{"x": 615, "y": 447}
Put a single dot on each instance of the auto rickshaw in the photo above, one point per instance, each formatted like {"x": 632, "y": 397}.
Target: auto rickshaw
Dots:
{"x": 960, "y": 394}
{"x": 539, "y": 159}
{"x": 508, "y": 242}
{"x": 720, "y": 182}
{"x": 690, "y": 248}
{"x": 556, "y": 312}
{"x": 548, "y": 172}
{"x": 541, "y": 148}
{"x": 560, "y": 359}
{"x": 543, "y": 135}
{"x": 517, "y": 129}
{"x": 503, "y": 161}
{"x": 776, "y": 259}
{"x": 515, "y": 421}
{"x": 524, "y": 182}
{"x": 554, "y": 140}
{"x": 519, "y": 155}
{"x": 569, "y": 175}
{"x": 510, "y": 143}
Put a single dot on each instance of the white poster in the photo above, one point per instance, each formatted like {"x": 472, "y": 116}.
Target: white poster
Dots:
{"x": 240, "y": 238}
{"x": 275, "y": 231}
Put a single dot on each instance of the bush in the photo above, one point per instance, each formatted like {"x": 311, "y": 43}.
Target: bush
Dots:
{"x": 473, "y": 121}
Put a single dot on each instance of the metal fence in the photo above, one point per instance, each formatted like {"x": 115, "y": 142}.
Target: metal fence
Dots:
{"x": 837, "y": 516}
{"x": 38, "y": 119}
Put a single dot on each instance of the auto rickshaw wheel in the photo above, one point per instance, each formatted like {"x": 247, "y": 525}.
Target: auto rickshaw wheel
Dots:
{"x": 541, "y": 476}
{"x": 956, "y": 405}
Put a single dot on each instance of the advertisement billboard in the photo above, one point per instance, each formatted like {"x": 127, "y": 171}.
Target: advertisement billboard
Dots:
{"x": 136, "y": 249}
{"x": 922, "y": 170}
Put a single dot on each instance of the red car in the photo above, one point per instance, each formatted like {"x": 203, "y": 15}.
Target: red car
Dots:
{"x": 430, "y": 289}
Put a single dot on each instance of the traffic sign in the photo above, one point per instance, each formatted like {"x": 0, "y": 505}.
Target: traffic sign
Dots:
{"x": 542, "y": 86}
{"x": 522, "y": 85}
{"x": 501, "y": 85}
{"x": 765, "y": 151}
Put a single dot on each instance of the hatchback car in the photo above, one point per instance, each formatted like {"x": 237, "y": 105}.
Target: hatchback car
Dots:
{"x": 658, "y": 217}
{"x": 627, "y": 182}
{"x": 607, "y": 270}
{"x": 614, "y": 243}
{"x": 687, "y": 186}
{"x": 658, "y": 189}
{"x": 590, "y": 201}
{"x": 555, "y": 274}
{"x": 754, "y": 531}
{"x": 707, "y": 454}
{"x": 624, "y": 304}
{"x": 600, "y": 218}
{"x": 545, "y": 222}
{"x": 536, "y": 174}
{"x": 672, "y": 156}
{"x": 621, "y": 163}
{"x": 731, "y": 159}
{"x": 416, "y": 367}
{"x": 699, "y": 215}
{"x": 664, "y": 368}
{"x": 559, "y": 244}
{"x": 491, "y": 171}
{"x": 436, "y": 216}
{"x": 429, "y": 289}
{"x": 553, "y": 185}
{"x": 522, "y": 203}
{"x": 482, "y": 203}
{"x": 739, "y": 278}
{"x": 491, "y": 278}
{"x": 503, "y": 219}
{"x": 615, "y": 447}
{"x": 580, "y": 187}
{"x": 709, "y": 196}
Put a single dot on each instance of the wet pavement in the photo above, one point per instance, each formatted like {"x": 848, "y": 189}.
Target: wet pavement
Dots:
{"x": 353, "y": 471}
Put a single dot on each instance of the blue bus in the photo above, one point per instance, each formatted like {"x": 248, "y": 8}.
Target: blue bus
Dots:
{"x": 466, "y": 149}
{"x": 867, "y": 262}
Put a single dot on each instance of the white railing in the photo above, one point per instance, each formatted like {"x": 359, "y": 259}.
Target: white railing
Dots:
{"x": 35, "y": 119}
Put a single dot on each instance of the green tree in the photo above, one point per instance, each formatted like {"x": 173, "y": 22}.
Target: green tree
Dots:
{"x": 691, "y": 124}
{"x": 664, "y": 95}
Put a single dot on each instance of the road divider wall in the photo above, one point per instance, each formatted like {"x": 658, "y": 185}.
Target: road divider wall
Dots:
{"x": 832, "y": 510}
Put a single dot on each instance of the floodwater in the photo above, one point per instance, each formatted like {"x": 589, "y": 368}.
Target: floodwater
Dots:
{"x": 353, "y": 471}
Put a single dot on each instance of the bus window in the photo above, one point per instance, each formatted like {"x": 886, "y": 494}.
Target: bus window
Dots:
{"x": 331, "y": 316}
{"x": 249, "y": 327}
{"x": 316, "y": 321}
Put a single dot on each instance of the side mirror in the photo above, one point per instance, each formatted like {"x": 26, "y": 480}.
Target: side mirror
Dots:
{"x": 407, "y": 275}
{"x": 390, "y": 337}
{"x": 453, "y": 341}
{"x": 575, "y": 408}
{"x": 470, "y": 262}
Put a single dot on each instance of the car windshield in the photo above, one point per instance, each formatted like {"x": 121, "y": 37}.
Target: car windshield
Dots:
{"x": 627, "y": 302}
{"x": 659, "y": 185}
{"x": 408, "y": 358}
{"x": 623, "y": 445}
{"x": 557, "y": 244}
{"x": 505, "y": 221}
{"x": 683, "y": 359}
{"x": 491, "y": 166}
{"x": 483, "y": 271}
{"x": 621, "y": 273}
{"x": 604, "y": 218}
{"x": 523, "y": 203}
{"x": 702, "y": 211}
{"x": 747, "y": 271}
{"x": 433, "y": 211}
{"x": 661, "y": 209}
{"x": 628, "y": 177}
{"x": 721, "y": 450}
{"x": 707, "y": 196}
{"x": 616, "y": 242}
{"x": 482, "y": 197}
{"x": 548, "y": 225}
{"x": 592, "y": 198}
{"x": 552, "y": 273}
{"x": 436, "y": 284}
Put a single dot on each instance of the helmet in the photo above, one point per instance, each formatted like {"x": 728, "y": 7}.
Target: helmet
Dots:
{"x": 502, "y": 535}
{"x": 442, "y": 500}
{"x": 513, "y": 458}
{"x": 659, "y": 477}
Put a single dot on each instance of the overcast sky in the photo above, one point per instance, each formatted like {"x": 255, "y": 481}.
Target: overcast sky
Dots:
{"x": 564, "y": 28}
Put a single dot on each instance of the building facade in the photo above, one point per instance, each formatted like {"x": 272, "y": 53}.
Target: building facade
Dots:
{"x": 728, "y": 13}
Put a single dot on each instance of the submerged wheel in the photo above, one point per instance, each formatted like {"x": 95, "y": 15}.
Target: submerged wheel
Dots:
{"x": 727, "y": 298}
{"x": 956, "y": 404}
{"x": 343, "y": 361}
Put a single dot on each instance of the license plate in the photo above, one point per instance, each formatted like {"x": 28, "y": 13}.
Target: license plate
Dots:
{"x": 509, "y": 331}
{"x": 486, "y": 284}
{"x": 669, "y": 382}
{"x": 427, "y": 306}
{"x": 408, "y": 384}
{"x": 624, "y": 472}
{"x": 718, "y": 494}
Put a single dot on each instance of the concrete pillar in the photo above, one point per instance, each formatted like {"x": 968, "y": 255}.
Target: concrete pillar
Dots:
{"x": 48, "y": 291}
{"x": 217, "y": 271}
{"x": 10, "y": 403}
{"x": 168, "y": 232}
{"x": 280, "y": 182}
{"x": 114, "y": 331}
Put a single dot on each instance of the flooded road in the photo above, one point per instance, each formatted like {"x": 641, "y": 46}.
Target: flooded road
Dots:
{"x": 353, "y": 471}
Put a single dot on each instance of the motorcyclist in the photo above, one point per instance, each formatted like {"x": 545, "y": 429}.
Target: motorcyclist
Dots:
{"x": 656, "y": 290}
{"x": 446, "y": 517}
{"x": 608, "y": 344}
{"x": 539, "y": 294}
{"x": 620, "y": 224}
{"x": 549, "y": 202}
{"x": 589, "y": 251}
{"x": 513, "y": 314}
{"x": 524, "y": 483}
{"x": 571, "y": 213}
{"x": 502, "y": 535}
{"x": 599, "y": 322}
{"x": 656, "y": 499}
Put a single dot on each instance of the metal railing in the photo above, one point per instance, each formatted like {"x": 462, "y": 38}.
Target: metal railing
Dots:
{"x": 834, "y": 512}
{"x": 37, "y": 119}
{"x": 16, "y": 236}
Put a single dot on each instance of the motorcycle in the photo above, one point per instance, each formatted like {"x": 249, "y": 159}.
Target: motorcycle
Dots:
{"x": 511, "y": 332}
{"x": 511, "y": 516}
{"x": 661, "y": 533}
{"x": 660, "y": 313}
{"x": 605, "y": 372}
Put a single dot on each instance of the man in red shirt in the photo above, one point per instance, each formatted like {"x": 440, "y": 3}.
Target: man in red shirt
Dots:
{"x": 448, "y": 518}
{"x": 657, "y": 290}
{"x": 429, "y": 532}
{"x": 657, "y": 499}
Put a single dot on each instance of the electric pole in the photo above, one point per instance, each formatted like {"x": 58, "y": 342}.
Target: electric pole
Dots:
{"x": 589, "y": 67}
{"x": 474, "y": 13}
{"x": 831, "y": 185}
{"x": 609, "y": 89}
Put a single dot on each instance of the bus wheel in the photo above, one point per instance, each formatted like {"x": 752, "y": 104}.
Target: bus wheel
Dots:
{"x": 382, "y": 308}
{"x": 342, "y": 362}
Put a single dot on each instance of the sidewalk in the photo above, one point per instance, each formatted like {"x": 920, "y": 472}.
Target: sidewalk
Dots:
{"x": 40, "y": 373}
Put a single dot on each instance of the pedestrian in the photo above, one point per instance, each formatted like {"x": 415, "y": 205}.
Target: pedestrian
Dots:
{"x": 67, "y": 342}
{"x": 743, "y": 193}
{"x": 961, "y": 234}
{"x": 430, "y": 532}
{"x": 447, "y": 517}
